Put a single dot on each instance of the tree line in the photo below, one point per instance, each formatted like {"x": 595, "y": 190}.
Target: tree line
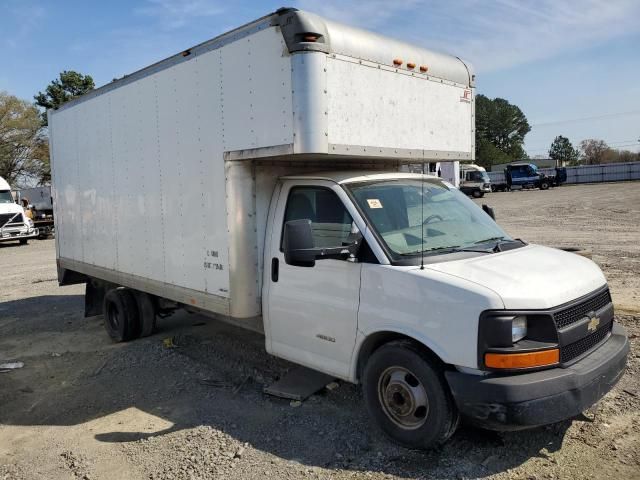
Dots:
{"x": 501, "y": 128}
{"x": 24, "y": 143}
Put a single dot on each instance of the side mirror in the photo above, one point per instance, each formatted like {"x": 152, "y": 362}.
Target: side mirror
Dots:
{"x": 298, "y": 243}
{"x": 489, "y": 211}
{"x": 300, "y": 250}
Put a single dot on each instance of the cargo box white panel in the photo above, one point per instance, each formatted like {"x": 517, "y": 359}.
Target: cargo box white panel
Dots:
{"x": 256, "y": 82}
{"x": 379, "y": 107}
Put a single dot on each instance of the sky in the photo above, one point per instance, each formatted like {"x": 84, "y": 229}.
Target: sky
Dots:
{"x": 572, "y": 66}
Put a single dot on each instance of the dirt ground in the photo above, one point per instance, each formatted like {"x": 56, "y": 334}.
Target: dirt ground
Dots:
{"x": 85, "y": 408}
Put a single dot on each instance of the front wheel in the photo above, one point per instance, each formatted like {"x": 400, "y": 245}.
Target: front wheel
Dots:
{"x": 544, "y": 185}
{"x": 477, "y": 194}
{"x": 407, "y": 396}
{"x": 23, "y": 241}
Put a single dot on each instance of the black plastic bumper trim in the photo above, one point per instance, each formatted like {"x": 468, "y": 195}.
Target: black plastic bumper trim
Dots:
{"x": 543, "y": 397}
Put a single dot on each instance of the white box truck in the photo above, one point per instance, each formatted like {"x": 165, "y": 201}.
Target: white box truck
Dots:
{"x": 255, "y": 178}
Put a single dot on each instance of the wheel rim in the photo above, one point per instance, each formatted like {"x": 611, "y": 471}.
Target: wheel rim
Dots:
{"x": 403, "y": 398}
{"x": 113, "y": 317}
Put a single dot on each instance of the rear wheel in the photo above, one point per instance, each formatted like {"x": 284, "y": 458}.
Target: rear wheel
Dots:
{"x": 407, "y": 395}
{"x": 121, "y": 315}
{"x": 146, "y": 313}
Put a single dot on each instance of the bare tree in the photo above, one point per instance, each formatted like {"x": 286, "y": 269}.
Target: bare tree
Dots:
{"x": 24, "y": 151}
{"x": 593, "y": 151}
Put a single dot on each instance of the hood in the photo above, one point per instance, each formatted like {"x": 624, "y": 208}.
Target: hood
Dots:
{"x": 531, "y": 277}
{"x": 10, "y": 208}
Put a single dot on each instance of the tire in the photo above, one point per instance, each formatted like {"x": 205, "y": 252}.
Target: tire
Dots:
{"x": 121, "y": 315}
{"x": 146, "y": 313}
{"x": 407, "y": 396}
{"x": 477, "y": 194}
{"x": 544, "y": 185}
{"x": 24, "y": 241}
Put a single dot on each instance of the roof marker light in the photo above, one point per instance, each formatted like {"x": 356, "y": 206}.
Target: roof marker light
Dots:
{"x": 411, "y": 65}
{"x": 424, "y": 68}
{"x": 397, "y": 61}
{"x": 310, "y": 38}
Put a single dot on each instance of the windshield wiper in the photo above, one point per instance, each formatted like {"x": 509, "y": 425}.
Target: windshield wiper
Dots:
{"x": 494, "y": 249}
{"x": 453, "y": 248}
{"x": 488, "y": 240}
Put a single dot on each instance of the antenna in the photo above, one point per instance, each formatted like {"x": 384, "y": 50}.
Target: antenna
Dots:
{"x": 422, "y": 217}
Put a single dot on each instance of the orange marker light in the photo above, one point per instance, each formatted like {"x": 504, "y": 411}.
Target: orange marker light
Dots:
{"x": 411, "y": 65}
{"x": 397, "y": 61}
{"x": 522, "y": 360}
{"x": 310, "y": 38}
{"x": 424, "y": 68}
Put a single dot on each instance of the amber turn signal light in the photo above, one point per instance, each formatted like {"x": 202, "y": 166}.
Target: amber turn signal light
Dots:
{"x": 522, "y": 360}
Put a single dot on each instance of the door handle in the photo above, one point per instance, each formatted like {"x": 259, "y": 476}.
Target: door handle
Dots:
{"x": 275, "y": 268}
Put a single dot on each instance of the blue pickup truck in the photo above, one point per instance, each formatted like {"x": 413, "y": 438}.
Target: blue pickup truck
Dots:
{"x": 527, "y": 175}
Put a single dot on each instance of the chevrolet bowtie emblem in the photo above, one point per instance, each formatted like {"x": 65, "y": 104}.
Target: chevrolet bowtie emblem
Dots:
{"x": 593, "y": 324}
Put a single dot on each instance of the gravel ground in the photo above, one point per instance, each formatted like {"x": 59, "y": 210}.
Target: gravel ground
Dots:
{"x": 85, "y": 408}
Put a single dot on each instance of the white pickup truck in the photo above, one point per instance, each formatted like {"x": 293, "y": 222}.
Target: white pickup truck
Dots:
{"x": 14, "y": 224}
{"x": 287, "y": 135}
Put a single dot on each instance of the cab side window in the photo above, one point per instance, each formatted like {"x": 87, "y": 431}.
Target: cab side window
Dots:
{"x": 330, "y": 220}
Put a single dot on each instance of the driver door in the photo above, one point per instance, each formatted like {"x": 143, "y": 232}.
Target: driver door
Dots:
{"x": 311, "y": 312}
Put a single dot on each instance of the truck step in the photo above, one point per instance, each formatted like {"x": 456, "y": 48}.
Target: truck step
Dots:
{"x": 299, "y": 384}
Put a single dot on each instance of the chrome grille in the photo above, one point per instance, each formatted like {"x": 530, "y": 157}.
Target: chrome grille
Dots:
{"x": 570, "y": 315}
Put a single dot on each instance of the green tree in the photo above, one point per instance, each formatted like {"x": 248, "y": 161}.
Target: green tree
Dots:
{"x": 70, "y": 85}
{"x": 562, "y": 151}
{"x": 24, "y": 151}
{"x": 502, "y": 125}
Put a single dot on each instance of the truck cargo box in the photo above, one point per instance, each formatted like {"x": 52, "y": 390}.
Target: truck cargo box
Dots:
{"x": 162, "y": 179}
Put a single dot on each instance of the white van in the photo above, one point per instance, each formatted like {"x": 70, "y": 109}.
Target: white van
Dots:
{"x": 14, "y": 224}
{"x": 474, "y": 180}
{"x": 287, "y": 135}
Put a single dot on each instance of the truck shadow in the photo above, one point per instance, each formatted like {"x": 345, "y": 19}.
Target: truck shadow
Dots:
{"x": 212, "y": 377}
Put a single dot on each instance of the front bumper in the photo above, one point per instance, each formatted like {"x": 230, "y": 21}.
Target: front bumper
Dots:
{"x": 531, "y": 399}
{"x": 11, "y": 234}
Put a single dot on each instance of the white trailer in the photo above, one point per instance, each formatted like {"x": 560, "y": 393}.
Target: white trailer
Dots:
{"x": 228, "y": 179}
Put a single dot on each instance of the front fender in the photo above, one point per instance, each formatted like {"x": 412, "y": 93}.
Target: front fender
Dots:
{"x": 439, "y": 310}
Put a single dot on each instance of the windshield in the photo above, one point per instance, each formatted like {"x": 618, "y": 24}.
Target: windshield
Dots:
{"x": 476, "y": 176}
{"x": 5, "y": 196}
{"x": 446, "y": 217}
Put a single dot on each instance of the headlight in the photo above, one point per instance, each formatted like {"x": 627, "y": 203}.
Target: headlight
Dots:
{"x": 518, "y": 328}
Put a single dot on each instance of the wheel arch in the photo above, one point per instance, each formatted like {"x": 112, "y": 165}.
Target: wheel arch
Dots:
{"x": 375, "y": 340}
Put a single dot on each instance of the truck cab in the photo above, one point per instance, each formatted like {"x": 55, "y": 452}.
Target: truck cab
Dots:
{"x": 14, "y": 224}
{"x": 402, "y": 283}
{"x": 474, "y": 180}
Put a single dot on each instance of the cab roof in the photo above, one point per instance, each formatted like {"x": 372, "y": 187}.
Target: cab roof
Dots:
{"x": 4, "y": 185}
{"x": 354, "y": 176}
